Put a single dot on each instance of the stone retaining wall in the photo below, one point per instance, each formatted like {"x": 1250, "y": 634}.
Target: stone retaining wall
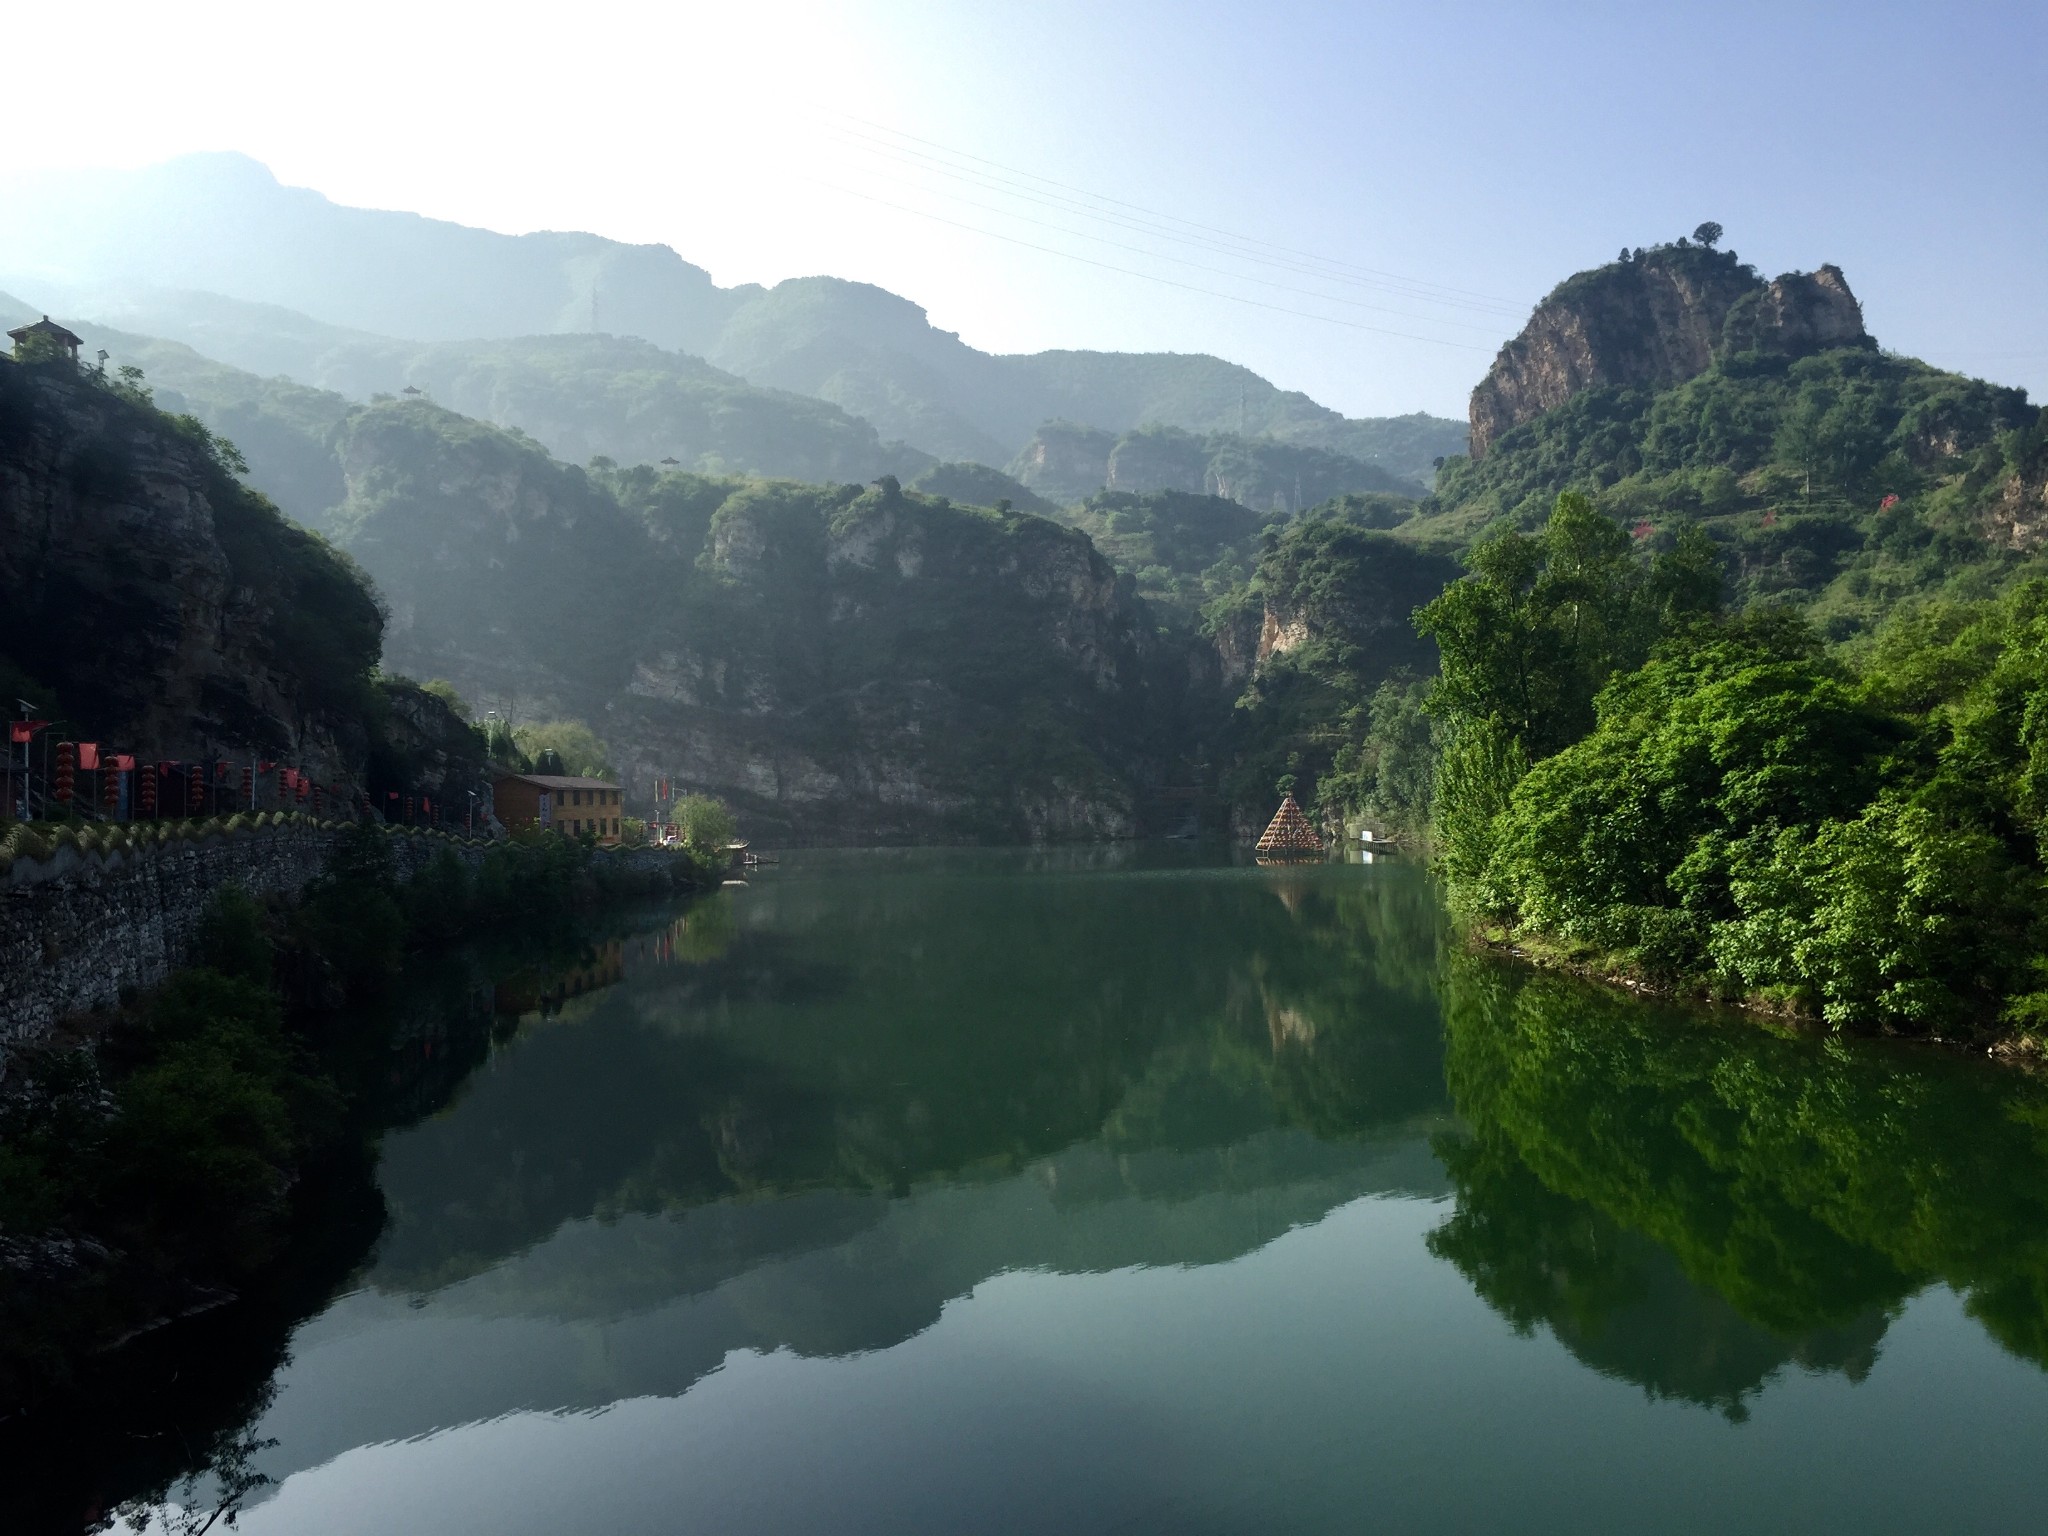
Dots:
{"x": 79, "y": 925}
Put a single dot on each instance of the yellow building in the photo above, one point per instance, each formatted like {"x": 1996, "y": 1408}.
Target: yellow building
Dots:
{"x": 567, "y": 805}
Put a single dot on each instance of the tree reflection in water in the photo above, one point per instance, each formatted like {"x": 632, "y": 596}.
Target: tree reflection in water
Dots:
{"x": 808, "y": 1116}
{"x": 1692, "y": 1204}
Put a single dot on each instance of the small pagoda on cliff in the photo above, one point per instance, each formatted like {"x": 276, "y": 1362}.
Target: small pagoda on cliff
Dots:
{"x": 1289, "y": 835}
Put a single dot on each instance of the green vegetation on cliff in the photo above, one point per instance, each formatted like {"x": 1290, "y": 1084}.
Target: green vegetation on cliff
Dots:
{"x": 140, "y": 577}
{"x": 1844, "y": 481}
{"x": 908, "y": 667}
{"x": 1067, "y": 461}
{"x": 1322, "y": 641}
{"x": 1725, "y": 805}
{"x": 1185, "y": 550}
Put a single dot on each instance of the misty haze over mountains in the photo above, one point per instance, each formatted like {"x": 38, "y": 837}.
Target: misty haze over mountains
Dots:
{"x": 210, "y": 251}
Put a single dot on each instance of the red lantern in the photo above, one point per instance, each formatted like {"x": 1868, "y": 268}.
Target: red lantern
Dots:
{"x": 110, "y": 791}
{"x": 248, "y": 785}
{"x": 67, "y": 762}
{"x": 195, "y": 790}
{"x": 316, "y": 799}
{"x": 301, "y": 786}
{"x": 145, "y": 787}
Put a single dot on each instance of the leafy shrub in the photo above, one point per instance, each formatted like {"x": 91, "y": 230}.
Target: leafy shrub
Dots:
{"x": 705, "y": 823}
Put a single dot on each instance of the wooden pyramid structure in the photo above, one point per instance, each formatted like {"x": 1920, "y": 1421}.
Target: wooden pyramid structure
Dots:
{"x": 1289, "y": 833}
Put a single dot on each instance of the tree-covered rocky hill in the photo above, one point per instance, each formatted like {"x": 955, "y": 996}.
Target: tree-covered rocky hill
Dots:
{"x": 1066, "y": 462}
{"x": 842, "y": 663}
{"x": 1678, "y": 386}
{"x": 1686, "y": 396}
{"x": 211, "y": 251}
{"x": 151, "y": 601}
{"x": 1743, "y": 690}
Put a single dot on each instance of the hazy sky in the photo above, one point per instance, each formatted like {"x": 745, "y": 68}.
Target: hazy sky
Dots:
{"x": 1358, "y": 200}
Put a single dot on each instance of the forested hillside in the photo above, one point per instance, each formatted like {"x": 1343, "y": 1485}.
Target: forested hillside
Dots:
{"x": 843, "y": 663}
{"x": 1741, "y": 690}
{"x": 1841, "y": 482}
{"x": 582, "y": 397}
{"x": 154, "y": 603}
{"x": 1067, "y": 461}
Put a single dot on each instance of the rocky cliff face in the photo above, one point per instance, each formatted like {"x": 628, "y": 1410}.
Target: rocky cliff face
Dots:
{"x": 1655, "y": 322}
{"x": 900, "y": 673}
{"x": 843, "y": 664}
{"x": 1326, "y": 619}
{"x": 162, "y": 606}
{"x": 1068, "y": 463}
{"x": 1064, "y": 461}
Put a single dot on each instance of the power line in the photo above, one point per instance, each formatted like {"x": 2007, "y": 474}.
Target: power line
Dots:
{"x": 1320, "y": 268}
{"x": 1150, "y": 277}
{"x": 1332, "y": 298}
{"x": 1155, "y": 231}
{"x": 1380, "y": 274}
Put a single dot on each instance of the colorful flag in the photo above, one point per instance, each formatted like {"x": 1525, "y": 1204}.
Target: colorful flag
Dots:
{"x": 88, "y": 754}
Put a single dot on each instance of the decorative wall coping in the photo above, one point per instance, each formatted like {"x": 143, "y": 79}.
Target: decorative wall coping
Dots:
{"x": 29, "y": 855}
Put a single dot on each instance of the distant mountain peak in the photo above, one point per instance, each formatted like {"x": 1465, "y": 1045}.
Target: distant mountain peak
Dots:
{"x": 220, "y": 223}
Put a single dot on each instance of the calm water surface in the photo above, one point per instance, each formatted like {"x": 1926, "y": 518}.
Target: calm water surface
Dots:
{"x": 1137, "y": 1191}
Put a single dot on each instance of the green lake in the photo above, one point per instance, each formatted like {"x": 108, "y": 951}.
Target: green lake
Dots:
{"x": 1133, "y": 1190}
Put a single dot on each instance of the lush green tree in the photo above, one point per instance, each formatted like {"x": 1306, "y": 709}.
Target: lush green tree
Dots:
{"x": 1542, "y": 621}
{"x": 1752, "y": 816}
{"x": 706, "y": 823}
{"x": 575, "y": 746}
{"x": 448, "y": 694}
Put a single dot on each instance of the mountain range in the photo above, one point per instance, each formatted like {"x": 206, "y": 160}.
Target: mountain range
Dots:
{"x": 211, "y": 251}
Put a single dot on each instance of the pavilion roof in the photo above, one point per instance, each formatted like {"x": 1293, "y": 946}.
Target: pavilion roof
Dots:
{"x": 1290, "y": 831}
{"x": 46, "y": 327}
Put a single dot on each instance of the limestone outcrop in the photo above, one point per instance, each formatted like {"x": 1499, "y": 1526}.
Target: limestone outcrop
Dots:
{"x": 1067, "y": 463}
{"x": 844, "y": 664}
{"x": 1655, "y": 321}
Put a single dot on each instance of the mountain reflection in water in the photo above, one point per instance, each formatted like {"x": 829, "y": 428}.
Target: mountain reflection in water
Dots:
{"x": 814, "y": 1119}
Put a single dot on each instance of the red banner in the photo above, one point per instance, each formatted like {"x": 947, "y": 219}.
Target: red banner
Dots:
{"x": 88, "y": 754}
{"x": 21, "y": 731}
